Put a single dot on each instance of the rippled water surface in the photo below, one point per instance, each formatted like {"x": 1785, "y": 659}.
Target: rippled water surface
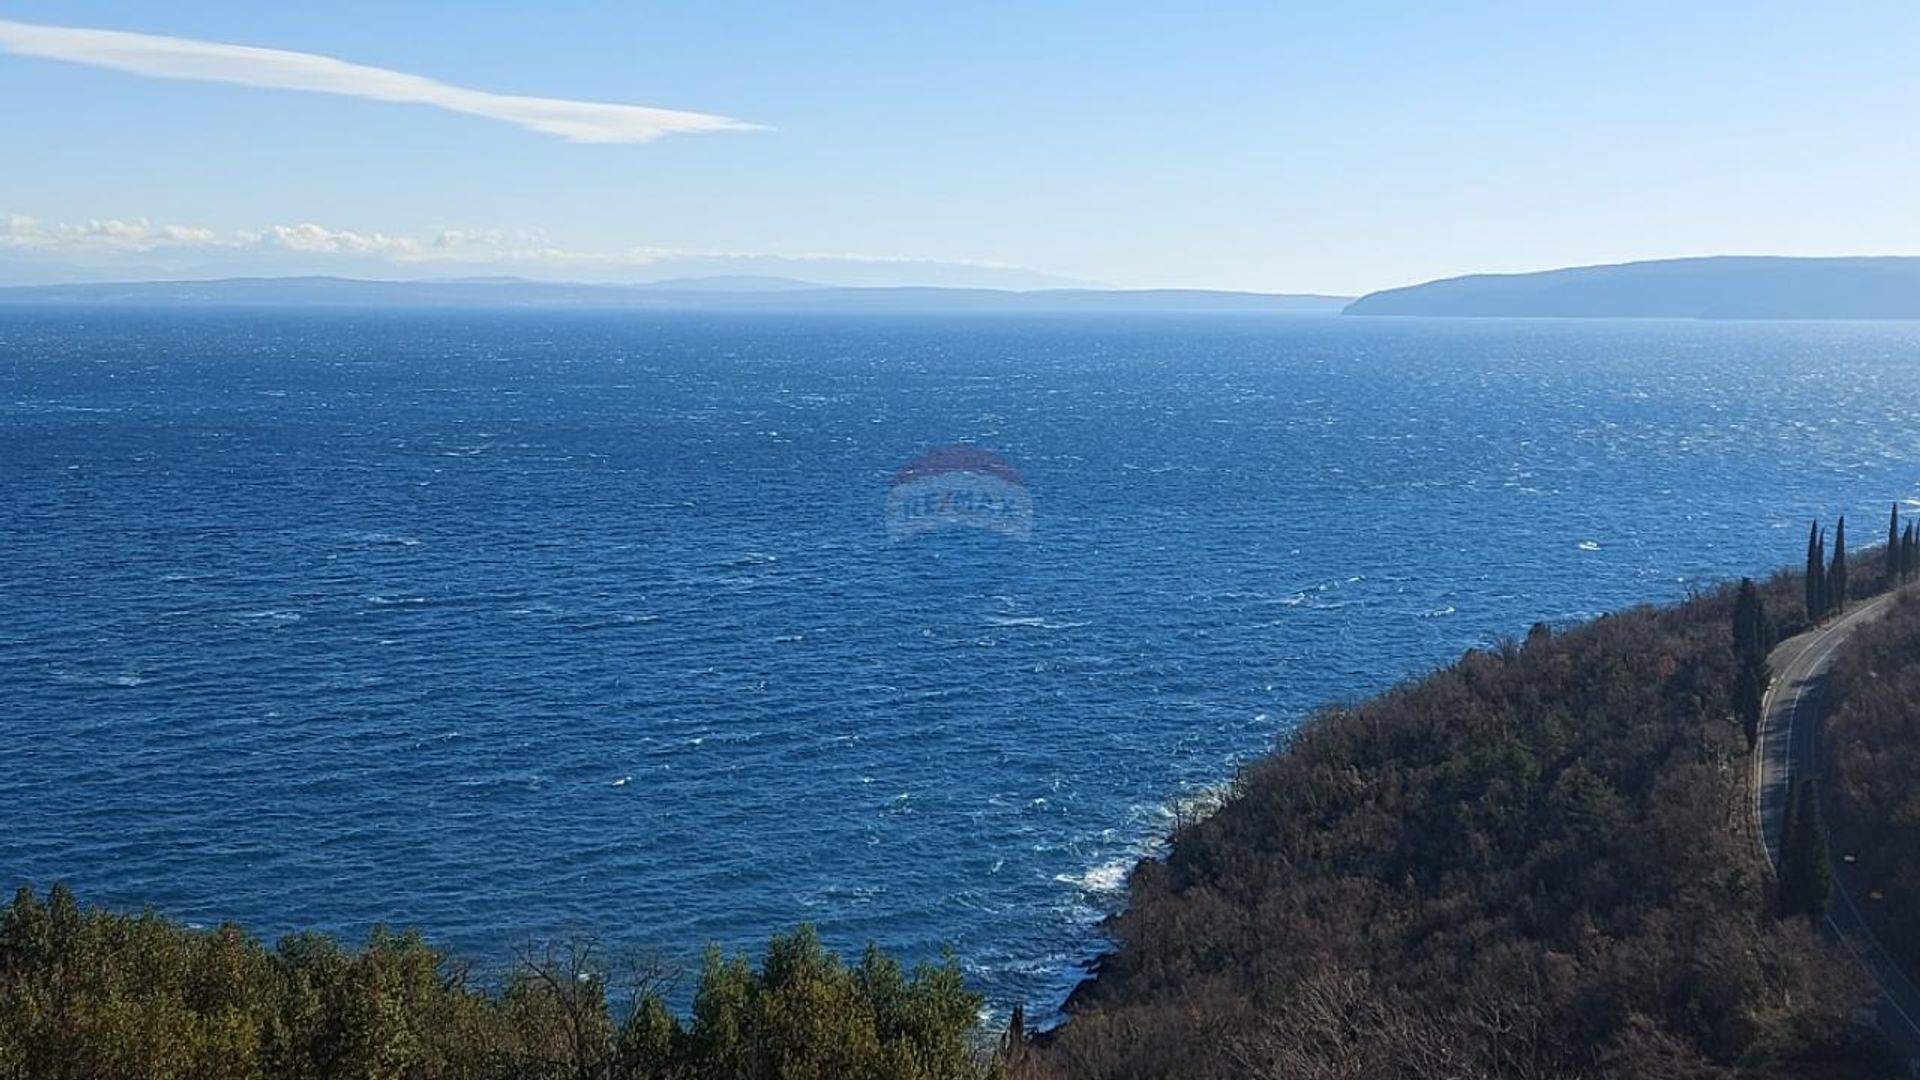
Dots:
{"x": 531, "y": 624}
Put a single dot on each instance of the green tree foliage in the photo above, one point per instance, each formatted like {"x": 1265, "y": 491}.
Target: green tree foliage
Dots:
{"x": 1893, "y": 545}
{"x": 1806, "y": 869}
{"x": 95, "y": 995}
{"x": 807, "y": 1016}
{"x": 1750, "y": 634}
{"x": 1836, "y": 591}
{"x": 1816, "y": 575}
{"x": 1749, "y": 697}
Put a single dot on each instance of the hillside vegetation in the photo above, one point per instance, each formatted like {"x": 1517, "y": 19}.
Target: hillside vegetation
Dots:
{"x": 1872, "y": 762}
{"x": 93, "y": 995}
{"x": 1535, "y": 863}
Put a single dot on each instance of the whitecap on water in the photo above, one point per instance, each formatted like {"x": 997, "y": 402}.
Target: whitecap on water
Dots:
{"x": 1105, "y": 879}
{"x": 386, "y": 539}
{"x": 1038, "y": 622}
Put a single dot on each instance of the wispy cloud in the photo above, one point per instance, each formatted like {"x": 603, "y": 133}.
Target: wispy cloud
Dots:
{"x": 24, "y": 234}
{"x": 280, "y": 69}
{"x": 138, "y": 235}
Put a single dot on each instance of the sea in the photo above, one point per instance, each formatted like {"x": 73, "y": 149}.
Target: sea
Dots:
{"x": 663, "y": 630}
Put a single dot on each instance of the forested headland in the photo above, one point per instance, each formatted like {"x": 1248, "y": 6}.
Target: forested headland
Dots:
{"x": 1538, "y": 862}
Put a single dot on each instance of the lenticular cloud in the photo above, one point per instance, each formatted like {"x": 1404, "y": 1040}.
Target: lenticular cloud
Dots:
{"x": 280, "y": 69}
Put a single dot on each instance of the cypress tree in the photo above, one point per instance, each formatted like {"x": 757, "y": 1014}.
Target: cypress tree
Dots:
{"x": 1837, "y": 576}
{"x": 1819, "y": 571}
{"x": 1806, "y": 874}
{"x": 1746, "y": 620}
{"x": 1893, "y": 546}
{"x": 1910, "y": 551}
{"x": 1749, "y": 692}
{"x": 1813, "y": 572}
{"x": 1826, "y": 579}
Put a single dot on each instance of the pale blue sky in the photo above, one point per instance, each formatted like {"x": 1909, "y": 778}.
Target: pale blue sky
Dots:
{"x": 1324, "y": 147}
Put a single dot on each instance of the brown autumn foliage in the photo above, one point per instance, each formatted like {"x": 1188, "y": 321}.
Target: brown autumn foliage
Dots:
{"x": 1872, "y": 764}
{"x": 1534, "y": 863}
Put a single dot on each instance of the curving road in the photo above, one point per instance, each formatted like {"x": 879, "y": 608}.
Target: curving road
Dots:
{"x": 1789, "y": 748}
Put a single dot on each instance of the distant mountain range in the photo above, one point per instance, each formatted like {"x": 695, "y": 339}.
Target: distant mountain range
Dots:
{"x": 1721, "y": 287}
{"x": 730, "y": 293}
{"x": 1727, "y": 287}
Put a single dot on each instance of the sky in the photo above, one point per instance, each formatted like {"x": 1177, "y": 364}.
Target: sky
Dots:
{"x": 1333, "y": 148}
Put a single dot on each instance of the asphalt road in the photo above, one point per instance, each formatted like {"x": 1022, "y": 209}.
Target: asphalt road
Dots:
{"x": 1789, "y": 748}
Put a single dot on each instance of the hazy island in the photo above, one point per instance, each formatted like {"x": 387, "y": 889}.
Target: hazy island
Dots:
{"x": 1722, "y": 287}
{"x": 724, "y": 293}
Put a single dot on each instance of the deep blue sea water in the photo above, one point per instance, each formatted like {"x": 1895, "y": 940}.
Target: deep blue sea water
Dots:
{"x": 530, "y": 624}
